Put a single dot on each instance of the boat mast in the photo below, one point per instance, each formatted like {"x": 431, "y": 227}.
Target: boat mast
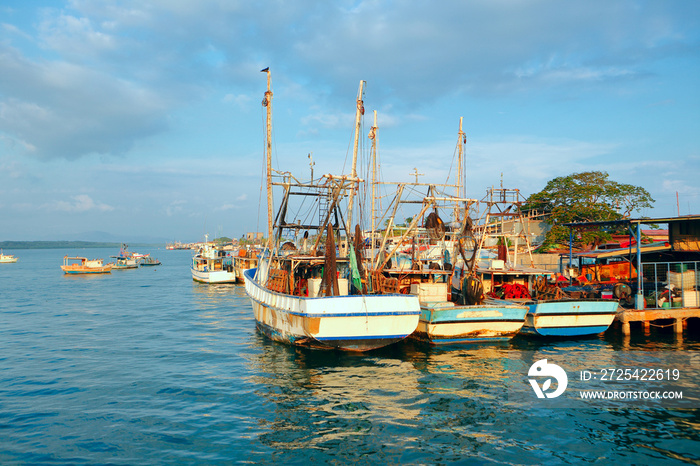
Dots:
{"x": 359, "y": 111}
{"x": 267, "y": 102}
{"x": 373, "y": 137}
{"x": 461, "y": 190}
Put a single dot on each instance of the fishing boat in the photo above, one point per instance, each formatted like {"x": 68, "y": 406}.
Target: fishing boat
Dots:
{"x": 7, "y": 258}
{"x": 426, "y": 268}
{"x": 244, "y": 259}
{"x": 126, "y": 259}
{"x": 124, "y": 263}
{"x": 211, "y": 265}
{"x": 552, "y": 312}
{"x": 307, "y": 289}
{"x": 82, "y": 265}
{"x": 569, "y": 318}
{"x": 148, "y": 261}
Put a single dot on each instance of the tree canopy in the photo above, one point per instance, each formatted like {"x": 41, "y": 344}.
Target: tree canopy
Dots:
{"x": 585, "y": 197}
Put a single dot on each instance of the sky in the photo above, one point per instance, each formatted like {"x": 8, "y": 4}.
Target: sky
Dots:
{"x": 143, "y": 119}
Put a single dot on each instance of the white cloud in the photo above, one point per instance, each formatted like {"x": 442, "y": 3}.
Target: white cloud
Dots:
{"x": 240, "y": 100}
{"x": 79, "y": 203}
{"x": 175, "y": 208}
{"x": 170, "y": 87}
{"x": 226, "y": 207}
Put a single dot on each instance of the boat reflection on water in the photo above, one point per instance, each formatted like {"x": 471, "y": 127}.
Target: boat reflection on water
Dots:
{"x": 217, "y": 294}
{"x": 468, "y": 372}
{"x": 337, "y": 405}
{"x": 340, "y": 383}
{"x": 324, "y": 399}
{"x": 407, "y": 403}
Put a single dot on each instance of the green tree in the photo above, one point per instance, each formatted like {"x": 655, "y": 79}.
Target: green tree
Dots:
{"x": 585, "y": 197}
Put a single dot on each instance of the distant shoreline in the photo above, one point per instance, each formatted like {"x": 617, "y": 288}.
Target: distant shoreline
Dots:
{"x": 69, "y": 245}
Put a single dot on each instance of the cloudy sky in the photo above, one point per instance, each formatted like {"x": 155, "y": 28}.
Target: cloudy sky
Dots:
{"x": 144, "y": 118}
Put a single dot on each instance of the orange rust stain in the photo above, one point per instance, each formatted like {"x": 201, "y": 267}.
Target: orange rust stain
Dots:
{"x": 296, "y": 321}
{"x": 313, "y": 324}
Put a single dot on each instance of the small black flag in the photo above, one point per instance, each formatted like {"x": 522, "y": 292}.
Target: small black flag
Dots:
{"x": 266, "y": 69}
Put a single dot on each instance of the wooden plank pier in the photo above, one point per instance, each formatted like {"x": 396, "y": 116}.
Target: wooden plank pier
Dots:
{"x": 679, "y": 317}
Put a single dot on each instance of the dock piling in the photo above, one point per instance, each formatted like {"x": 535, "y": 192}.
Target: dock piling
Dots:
{"x": 678, "y": 317}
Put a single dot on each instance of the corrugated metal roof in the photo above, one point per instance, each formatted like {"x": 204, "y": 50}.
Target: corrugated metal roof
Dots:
{"x": 639, "y": 221}
{"x": 602, "y": 254}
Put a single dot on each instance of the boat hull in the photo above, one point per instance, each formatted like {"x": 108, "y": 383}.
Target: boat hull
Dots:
{"x": 5, "y": 260}
{"x": 243, "y": 263}
{"x": 213, "y": 276}
{"x": 353, "y": 323}
{"x": 240, "y": 274}
{"x": 125, "y": 266}
{"x": 149, "y": 264}
{"x": 445, "y": 323}
{"x": 570, "y": 318}
{"x": 85, "y": 270}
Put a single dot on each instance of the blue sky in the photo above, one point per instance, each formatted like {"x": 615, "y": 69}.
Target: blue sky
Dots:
{"x": 144, "y": 118}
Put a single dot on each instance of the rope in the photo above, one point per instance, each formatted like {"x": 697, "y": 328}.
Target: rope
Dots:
{"x": 683, "y": 319}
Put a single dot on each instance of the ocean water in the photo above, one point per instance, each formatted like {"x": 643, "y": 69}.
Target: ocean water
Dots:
{"x": 148, "y": 367}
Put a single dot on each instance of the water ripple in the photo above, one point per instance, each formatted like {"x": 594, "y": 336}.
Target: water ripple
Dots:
{"x": 149, "y": 367}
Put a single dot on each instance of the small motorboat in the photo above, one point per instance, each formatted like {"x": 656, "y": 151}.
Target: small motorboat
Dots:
{"x": 149, "y": 261}
{"x": 7, "y": 258}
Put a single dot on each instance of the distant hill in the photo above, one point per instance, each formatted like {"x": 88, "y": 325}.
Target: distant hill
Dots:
{"x": 104, "y": 237}
{"x": 67, "y": 244}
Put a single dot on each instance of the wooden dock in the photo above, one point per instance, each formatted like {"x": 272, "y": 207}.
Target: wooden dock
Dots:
{"x": 678, "y": 316}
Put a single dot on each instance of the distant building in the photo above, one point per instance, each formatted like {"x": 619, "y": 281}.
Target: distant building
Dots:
{"x": 256, "y": 236}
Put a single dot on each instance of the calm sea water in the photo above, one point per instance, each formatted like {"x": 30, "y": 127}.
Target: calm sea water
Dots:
{"x": 148, "y": 367}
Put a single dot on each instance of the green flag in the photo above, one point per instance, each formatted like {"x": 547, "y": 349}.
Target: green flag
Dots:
{"x": 356, "y": 279}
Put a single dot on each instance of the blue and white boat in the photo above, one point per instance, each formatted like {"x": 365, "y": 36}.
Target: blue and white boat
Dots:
{"x": 301, "y": 291}
{"x": 551, "y": 311}
{"x": 449, "y": 323}
{"x": 548, "y": 316}
{"x": 450, "y": 317}
{"x": 569, "y": 317}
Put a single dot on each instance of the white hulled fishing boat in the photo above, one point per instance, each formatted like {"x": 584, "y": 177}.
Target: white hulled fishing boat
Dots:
{"x": 304, "y": 291}
{"x": 211, "y": 265}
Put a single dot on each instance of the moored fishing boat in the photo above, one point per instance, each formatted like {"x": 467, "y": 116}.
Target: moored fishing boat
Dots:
{"x": 426, "y": 270}
{"x": 82, "y": 265}
{"x": 124, "y": 263}
{"x": 126, "y": 259}
{"x": 301, "y": 291}
{"x": 551, "y": 311}
{"x": 148, "y": 261}
{"x": 570, "y": 317}
{"x": 213, "y": 266}
{"x": 244, "y": 259}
